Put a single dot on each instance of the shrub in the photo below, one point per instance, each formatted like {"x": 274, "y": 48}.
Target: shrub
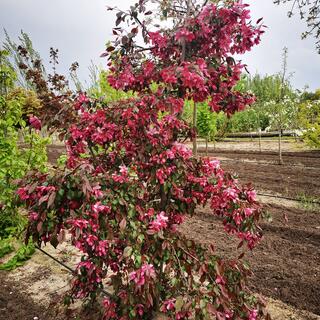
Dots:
{"x": 129, "y": 180}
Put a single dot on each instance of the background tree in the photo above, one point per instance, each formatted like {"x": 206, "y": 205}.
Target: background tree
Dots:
{"x": 206, "y": 124}
{"x": 310, "y": 12}
{"x": 16, "y": 60}
{"x": 309, "y": 117}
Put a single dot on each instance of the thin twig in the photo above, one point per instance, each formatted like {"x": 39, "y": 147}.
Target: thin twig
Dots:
{"x": 66, "y": 267}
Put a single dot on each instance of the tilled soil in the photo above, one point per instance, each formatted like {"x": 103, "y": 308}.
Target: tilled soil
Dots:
{"x": 17, "y": 304}
{"x": 298, "y": 177}
{"x": 297, "y": 158}
{"x": 297, "y": 182}
{"x": 286, "y": 264}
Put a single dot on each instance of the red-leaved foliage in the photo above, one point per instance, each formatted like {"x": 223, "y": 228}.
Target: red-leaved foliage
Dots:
{"x": 130, "y": 181}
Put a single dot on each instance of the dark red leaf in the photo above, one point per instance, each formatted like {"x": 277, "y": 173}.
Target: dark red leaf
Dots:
{"x": 111, "y": 48}
{"x": 240, "y": 245}
{"x": 241, "y": 256}
{"x": 259, "y": 20}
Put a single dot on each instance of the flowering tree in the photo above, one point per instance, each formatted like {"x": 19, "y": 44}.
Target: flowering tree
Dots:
{"x": 129, "y": 180}
{"x": 309, "y": 118}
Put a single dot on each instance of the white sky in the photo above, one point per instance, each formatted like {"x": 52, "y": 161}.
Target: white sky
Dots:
{"x": 80, "y": 29}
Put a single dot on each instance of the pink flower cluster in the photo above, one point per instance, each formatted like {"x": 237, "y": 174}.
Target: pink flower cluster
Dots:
{"x": 35, "y": 122}
{"x": 139, "y": 277}
{"x": 159, "y": 224}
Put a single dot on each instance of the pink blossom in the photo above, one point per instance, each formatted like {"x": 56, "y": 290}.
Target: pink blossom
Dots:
{"x": 140, "y": 309}
{"x": 33, "y": 216}
{"x": 96, "y": 191}
{"x": 100, "y": 136}
{"x": 220, "y": 280}
{"x": 251, "y": 195}
{"x": 149, "y": 213}
{"x": 215, "y": 163}
{"x": 248, "y": 212}
{"x": 168, "y": 76}
{"x": 231, "y": 194}
{"x": 228, "y": 314}
{"x": 101, "y": 248}
{"x": 100, "y": 208}
{"x": 182, "y": 150}
{"x": 75, "y": 132}
{"x": 159, "y": 224}
{"x": 82, "y": 99}
{"x": 124, "y": 170}
{"x": 35, "y": 122}
{"x": 253, "y": 315}
{"x": 139, "y": 276}
{"x": 23, "y": 193}
{"x": 148, "y": 270}
{"x": 186, "y": 34}
{"x": 89, "y": 265}
{"x": 161, "y": 176}
{"x": 168, "y": 305}
{"x": 91, "y": 239}
{"x": 157, "y": 39}
{"x": 79, "y": 223}
{"x": 237, "y": 217}
{"x": 110, "y": 310}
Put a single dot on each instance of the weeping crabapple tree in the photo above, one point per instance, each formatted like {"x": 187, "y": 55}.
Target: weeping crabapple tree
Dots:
{"x": 129, "y": 180}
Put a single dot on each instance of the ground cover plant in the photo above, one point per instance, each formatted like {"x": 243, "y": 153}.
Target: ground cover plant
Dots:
{"x": 18, "y": 126}
{"x": 129, "y": 180}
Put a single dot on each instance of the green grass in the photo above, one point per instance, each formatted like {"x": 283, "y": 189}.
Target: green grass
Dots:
{"x": 309, "y": 202}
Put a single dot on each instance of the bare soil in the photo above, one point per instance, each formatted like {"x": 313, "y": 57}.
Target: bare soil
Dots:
{"x": 267, "y": 144}
{"x": 298, "y": 177}
{"x": 286, "y": 264}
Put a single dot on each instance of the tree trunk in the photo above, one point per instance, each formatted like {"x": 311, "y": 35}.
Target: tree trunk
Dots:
{"x": 280, "y": 149}
{"x": 195, "y": 146}
{"x": 260, "y": 140}
{"x": 206, "y": 146}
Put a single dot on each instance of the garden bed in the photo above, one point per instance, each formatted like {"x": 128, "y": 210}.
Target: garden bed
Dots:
{"x": 286, "y": 262}
{"x": 285, "y": 265}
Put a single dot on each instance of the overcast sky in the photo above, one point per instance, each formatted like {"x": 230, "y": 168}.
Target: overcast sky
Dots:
{"x": 80, "y": 29}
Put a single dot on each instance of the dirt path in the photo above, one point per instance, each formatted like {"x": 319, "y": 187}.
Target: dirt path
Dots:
{"x": 35, "y": 291}
{"x": 286, "y": 264}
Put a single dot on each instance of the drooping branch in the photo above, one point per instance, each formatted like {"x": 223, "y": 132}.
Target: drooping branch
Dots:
{"x": 308, "y": 11}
